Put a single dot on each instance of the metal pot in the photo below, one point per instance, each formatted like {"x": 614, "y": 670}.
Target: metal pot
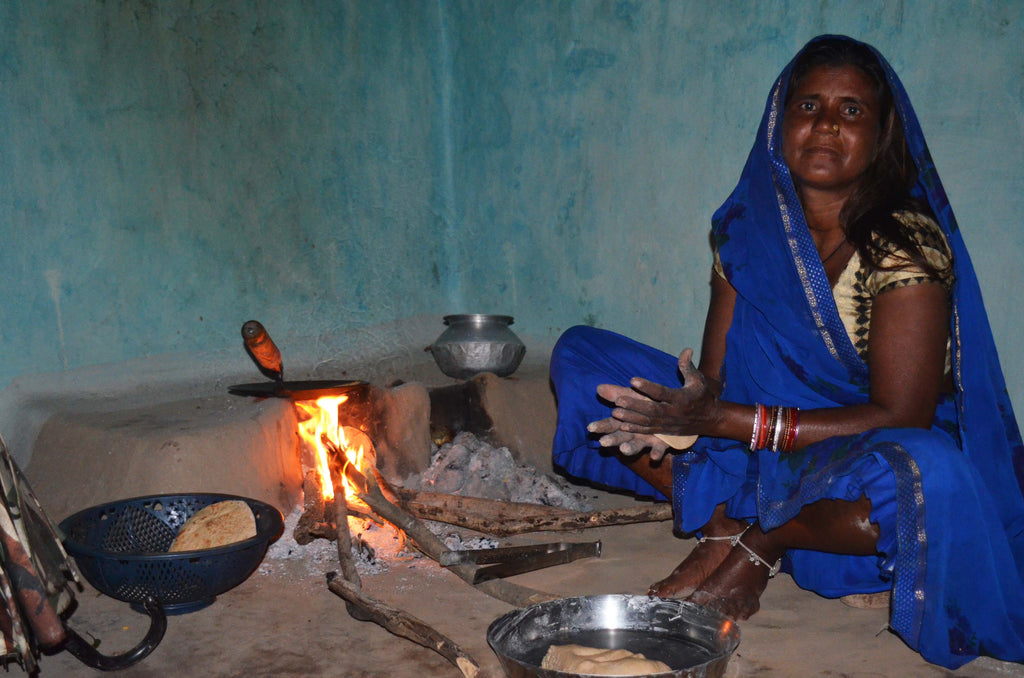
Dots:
{"x": 475, "y": 343}
{"x": 694, "y": 641}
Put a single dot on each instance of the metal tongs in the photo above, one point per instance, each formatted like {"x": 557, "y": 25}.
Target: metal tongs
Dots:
{"x": 509, "y": 560}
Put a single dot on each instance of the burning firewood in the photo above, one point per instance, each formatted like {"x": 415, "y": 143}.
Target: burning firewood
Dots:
{"x": 368, "y": 490}
{"x": 343, "y": 539}
{"x": 503, "y": 518}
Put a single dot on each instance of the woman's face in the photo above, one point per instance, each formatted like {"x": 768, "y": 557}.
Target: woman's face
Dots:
{"x": 830, "y": 130}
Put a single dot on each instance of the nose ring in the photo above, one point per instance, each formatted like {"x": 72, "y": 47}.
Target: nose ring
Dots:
{"x": 835, "y": 128}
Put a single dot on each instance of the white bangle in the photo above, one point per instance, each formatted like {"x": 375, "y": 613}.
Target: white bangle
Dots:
{"x": 757, "y": 425}
{"x": 778, "y": 428}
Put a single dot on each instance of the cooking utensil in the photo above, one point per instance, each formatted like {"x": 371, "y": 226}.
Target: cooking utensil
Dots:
{"x": 694, "y": 641}
{"x": 475, "y": 343}
{"x": 264, "y": 352}
{"x": 121, "y": 548}
{"x": 299, "y": 390}
{"x": 262, "y": 349}
{"x": 509, "y": 560}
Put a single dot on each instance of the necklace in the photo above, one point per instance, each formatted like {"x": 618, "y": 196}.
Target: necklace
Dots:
{"x": 838, "y": 247}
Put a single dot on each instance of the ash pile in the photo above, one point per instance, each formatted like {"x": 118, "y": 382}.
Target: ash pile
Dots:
{"x": 470, "y": 467}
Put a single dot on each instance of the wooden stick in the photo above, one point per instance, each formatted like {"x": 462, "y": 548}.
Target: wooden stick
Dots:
{"x": 309, "y": 529}
{"x": 458, "y": 502}
{"x": 365, "y": 608}
{"x": 360, "y": 512}
{"x": 430, "y": 545}
{"x": 343, "y": 536}
{"x": 501, "y": 518}
{"x": 405, "y": 625}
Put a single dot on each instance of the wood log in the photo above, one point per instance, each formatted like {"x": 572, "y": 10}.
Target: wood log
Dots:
{"x": 343, "y": 537}
{"x": 306, "y": 531}
{"x": 310, "y": 522}
{"x": 405, "y": 625}
{"x": 431, "y": 546}
{"x": 309, "y": 529}
{"x": 480, "y": 505}
{"x": 502, "y": 518}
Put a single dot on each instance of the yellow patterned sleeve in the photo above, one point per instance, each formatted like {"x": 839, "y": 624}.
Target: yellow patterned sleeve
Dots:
{"x": 897, "y": 271}
{"x": 717, "y": 267}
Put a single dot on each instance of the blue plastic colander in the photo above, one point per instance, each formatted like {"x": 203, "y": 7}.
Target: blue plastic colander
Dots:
{"x": 121, "y": 548}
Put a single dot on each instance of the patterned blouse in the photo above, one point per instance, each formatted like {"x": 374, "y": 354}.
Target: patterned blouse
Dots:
{"x": 858, "y": 285}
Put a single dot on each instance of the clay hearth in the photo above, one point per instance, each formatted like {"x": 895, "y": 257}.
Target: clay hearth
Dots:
{"x": 249, "y": 446}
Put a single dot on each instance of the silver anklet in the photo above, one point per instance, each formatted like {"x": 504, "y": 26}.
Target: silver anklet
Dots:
{"x": 732, "y": 539}
{"x": 758, "y": 560}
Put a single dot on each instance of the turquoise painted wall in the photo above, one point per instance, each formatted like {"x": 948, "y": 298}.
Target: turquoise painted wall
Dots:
{"x": 172, "y": 169}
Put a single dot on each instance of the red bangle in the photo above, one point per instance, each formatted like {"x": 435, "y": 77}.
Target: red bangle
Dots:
{"x": 760, "y": 426}
{"x": 762, "y": 433}
{"x": 793, "y": 429}
{"x": 767, "y": 427}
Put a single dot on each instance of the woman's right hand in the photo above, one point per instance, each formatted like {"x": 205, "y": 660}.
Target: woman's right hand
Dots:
{"x": 614, "y": 435}
{"x": 646, "y": 408}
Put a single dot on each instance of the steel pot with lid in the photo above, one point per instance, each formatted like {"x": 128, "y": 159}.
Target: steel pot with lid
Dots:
{"x": 475, "y": 343}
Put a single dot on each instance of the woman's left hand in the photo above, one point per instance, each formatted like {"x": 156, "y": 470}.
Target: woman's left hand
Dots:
{"x": 645, "y": 408}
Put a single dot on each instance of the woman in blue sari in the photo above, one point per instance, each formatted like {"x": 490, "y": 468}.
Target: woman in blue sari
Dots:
{"x": 854, "y": 425}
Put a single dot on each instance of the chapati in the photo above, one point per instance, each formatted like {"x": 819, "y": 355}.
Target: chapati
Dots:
{"x": 221, "y": 523}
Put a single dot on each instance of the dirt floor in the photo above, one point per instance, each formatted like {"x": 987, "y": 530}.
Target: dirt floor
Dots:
{"x": 283, "y": 621}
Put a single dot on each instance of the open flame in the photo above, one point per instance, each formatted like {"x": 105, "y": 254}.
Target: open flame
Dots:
{"x": 322, "y": 419}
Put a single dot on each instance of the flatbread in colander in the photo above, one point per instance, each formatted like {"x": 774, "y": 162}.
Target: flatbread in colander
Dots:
{"x": 596, "y": 661}
{"x": 224, "y": 522}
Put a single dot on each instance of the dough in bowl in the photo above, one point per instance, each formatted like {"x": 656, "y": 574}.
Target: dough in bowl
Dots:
{"x": 224, "y": 522}
{"x": 599, "y": 661}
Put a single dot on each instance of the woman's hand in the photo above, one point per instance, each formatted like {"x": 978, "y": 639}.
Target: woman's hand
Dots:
{"x": 645, "y": 408}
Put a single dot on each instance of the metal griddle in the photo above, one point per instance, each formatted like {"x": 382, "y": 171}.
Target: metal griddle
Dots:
{"x": 264, "y": 352}
{"x": 297, "y": 390}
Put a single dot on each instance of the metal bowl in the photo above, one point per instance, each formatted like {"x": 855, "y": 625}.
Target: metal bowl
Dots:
{"x": 475, "y": 343}
{"x": 694, "y": 641}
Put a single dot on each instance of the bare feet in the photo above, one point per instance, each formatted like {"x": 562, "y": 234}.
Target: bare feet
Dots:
{"x": 700, "y": 563}
{"x": 735, "y": 587}
{"x": 695, "y": 568}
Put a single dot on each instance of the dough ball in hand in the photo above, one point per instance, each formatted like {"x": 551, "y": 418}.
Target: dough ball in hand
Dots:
{"x": 677, "y": 442}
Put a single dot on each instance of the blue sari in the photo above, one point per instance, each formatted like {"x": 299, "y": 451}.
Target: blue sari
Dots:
{"x": 948, "y": 501}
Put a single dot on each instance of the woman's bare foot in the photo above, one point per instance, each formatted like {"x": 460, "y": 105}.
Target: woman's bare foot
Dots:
{"x": 735, "y": 587}
{"x": 700, "y": 563}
